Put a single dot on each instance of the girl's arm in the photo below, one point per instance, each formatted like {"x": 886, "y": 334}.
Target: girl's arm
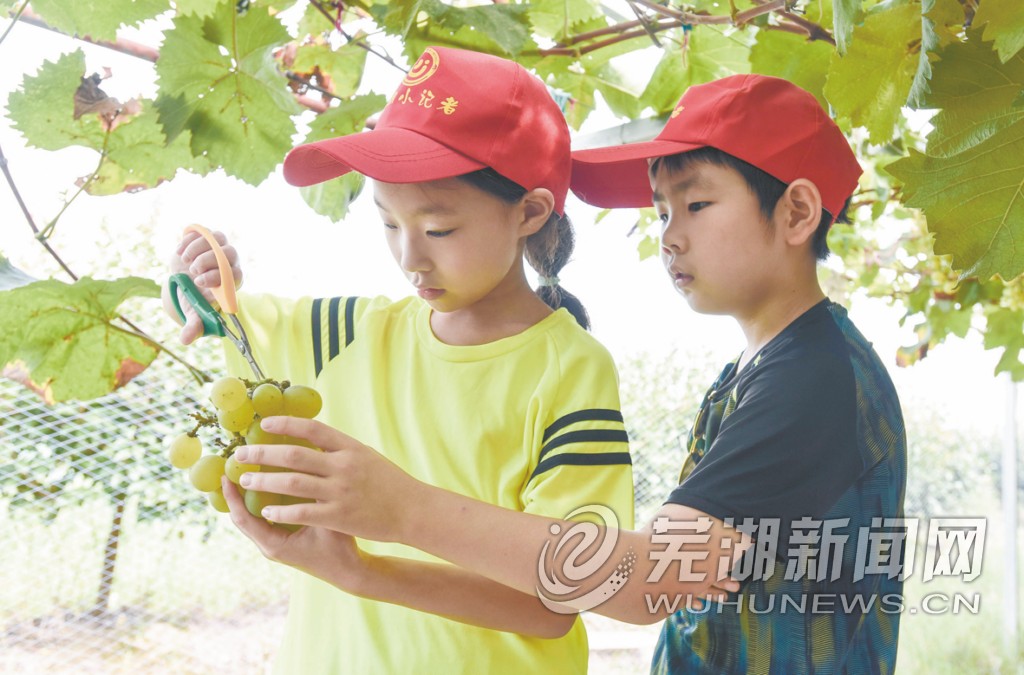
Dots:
{"x": 437, "y": 588}
{"x": 683, "y": 555}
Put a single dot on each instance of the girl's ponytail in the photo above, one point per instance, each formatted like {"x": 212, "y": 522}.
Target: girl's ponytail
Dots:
{"x": 548, "y": 250}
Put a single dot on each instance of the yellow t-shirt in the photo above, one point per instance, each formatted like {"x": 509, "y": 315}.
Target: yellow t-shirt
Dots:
{"x": 531, "y": 422}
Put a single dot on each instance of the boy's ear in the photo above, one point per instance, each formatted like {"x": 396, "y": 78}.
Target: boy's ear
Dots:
{"x": 536, "y": 207}
{"x": 798, "y": 212}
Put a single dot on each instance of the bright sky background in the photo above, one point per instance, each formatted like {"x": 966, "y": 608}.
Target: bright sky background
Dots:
{"x": 289, "y": 250}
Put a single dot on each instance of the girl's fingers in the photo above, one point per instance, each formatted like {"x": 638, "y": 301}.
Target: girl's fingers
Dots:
{"x": 294, "y": 457}
{"x": 291, "y": 484}
{"x": 203, "y": 263}
{"x": 185, "y": 241}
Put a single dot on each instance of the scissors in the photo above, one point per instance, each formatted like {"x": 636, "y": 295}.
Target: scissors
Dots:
{"x": 213, "y": 321}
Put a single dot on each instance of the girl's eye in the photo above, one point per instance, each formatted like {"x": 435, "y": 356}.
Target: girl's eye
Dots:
{"x": 697, "y": 206}
{"x": 389, "y": 226}
{"x": 663, "y": 217}
{"x": 437, "y": 234}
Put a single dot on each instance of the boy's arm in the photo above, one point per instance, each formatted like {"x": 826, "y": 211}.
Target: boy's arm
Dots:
{"x": 437, "y": 588}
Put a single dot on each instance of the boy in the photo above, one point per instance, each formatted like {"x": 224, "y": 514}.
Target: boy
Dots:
{"x": 799, "y": 445}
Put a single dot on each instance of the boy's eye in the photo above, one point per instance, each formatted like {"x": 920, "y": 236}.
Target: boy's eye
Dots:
{"x": 437, "y": 234}
{"x": 697, "y": 206}
{"x": 663, "y": 217}
{"x": 389, "y": 226}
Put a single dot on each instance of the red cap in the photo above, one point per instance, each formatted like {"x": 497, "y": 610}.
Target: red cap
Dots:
{"x": 765, "y": 121}
{"x": 455, "y": 112}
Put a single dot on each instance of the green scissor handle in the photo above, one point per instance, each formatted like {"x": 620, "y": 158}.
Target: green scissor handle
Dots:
{"x": 213, "y": 324}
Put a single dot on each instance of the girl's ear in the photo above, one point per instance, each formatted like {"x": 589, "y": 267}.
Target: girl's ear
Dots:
{"x": 535, "y": 209}
{"x": 798, "y": 212}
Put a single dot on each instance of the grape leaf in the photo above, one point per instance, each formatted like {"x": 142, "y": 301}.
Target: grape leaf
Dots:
{"x": 60, "y": 339}
{"x": 845, "y": 14}
{"x": 1005, "y": 328}
{"x": 43, "y": 108}
{"x": 98, "y": 20}
{"x": 792, "y": 58}
{"x": 709, "y": 56}
{"x": 197, "y": 8}
{"x": 333, "y": 197}
{"x": 138, "y": 156}
{"x": 871, "y": 83}
{"x": 557, "y": 18}
{"x": 11, "y": 276}
{"x": 974, "y": 202}
{"x": 936, "y": 18}
{"x": 493, "y": 29}
{"x": 1004, "y": 25}
{"x": 218, "y": 79}
{"x": 343, "y": 65}
{"x": 976, "y": 94}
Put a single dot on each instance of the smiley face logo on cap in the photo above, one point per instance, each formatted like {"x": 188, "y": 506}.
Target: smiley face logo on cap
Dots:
{"x": 424, "y": 67}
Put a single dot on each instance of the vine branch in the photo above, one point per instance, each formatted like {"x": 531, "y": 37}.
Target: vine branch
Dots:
{"x": 336, "y": 22}
{"x": 198, "y": 374}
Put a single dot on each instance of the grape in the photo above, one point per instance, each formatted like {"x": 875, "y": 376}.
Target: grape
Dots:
{"x": 217, "y": 501}
{"x": 237, "y": 420}
{"x": 294, "y": 440}
{"x": 300, "y": 401}
{"x": 255, "y": 435}
{"x": 205, "y": 474}
{"x": 228, "y": 393}
{"x": 268, "y": 400}
{"x": 255, "y": 500}
{"x": 184, "y": 451}
{"x": 234, "y": 469}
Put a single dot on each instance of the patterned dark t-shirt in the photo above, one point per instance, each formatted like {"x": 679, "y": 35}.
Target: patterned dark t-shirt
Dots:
{"x": 807, "y": 440}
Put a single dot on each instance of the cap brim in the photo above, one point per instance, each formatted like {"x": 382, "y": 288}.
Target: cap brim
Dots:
{"x": 391, "y": 154}
{"x": 616, "y": 176}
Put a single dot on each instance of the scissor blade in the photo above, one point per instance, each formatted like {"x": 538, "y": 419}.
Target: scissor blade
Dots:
{"x": 241, "y": 341}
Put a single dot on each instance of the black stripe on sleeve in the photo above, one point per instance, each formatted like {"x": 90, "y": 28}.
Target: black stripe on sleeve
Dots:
{"x": 583, "y": 459}
{"x": 318, "y": 357}
{"x": 332, "y": 328}
{"x": 350, "y": 316}
{"x": 589, "y": 415}
{"x": 586, "y": 436}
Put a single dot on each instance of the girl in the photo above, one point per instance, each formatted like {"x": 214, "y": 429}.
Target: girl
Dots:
{"x": 485, "y": 387}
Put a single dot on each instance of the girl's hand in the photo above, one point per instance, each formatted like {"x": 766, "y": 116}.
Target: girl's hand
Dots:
{"x": 357, "y": 490}
{"x": 194, "y": 256}
{"x": 329, "y": 555}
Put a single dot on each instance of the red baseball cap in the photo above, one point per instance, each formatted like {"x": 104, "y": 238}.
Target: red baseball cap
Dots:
{"x": 455, "y": 112}
{"x": 765, "y": 121}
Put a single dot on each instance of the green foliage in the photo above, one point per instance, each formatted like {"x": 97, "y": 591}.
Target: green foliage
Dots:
{"x": 871, "y": 82}
{"x": 989, "y": 231}
{"x": 976, "y": 96}
{"x": 43, "y": 108}
{"x": 223, "y": 101}
{"x": 60, "y": 339}
{"x": 344, "y": 66}
{"x": 218, "y": 80}
{"x": 784, "y": 55}
{"x": 99, "y": 20}
{"x": 1004, "y": 24}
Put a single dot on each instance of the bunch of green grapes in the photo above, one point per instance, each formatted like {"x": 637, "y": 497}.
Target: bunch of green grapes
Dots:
{"x": 239, "y": 406}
